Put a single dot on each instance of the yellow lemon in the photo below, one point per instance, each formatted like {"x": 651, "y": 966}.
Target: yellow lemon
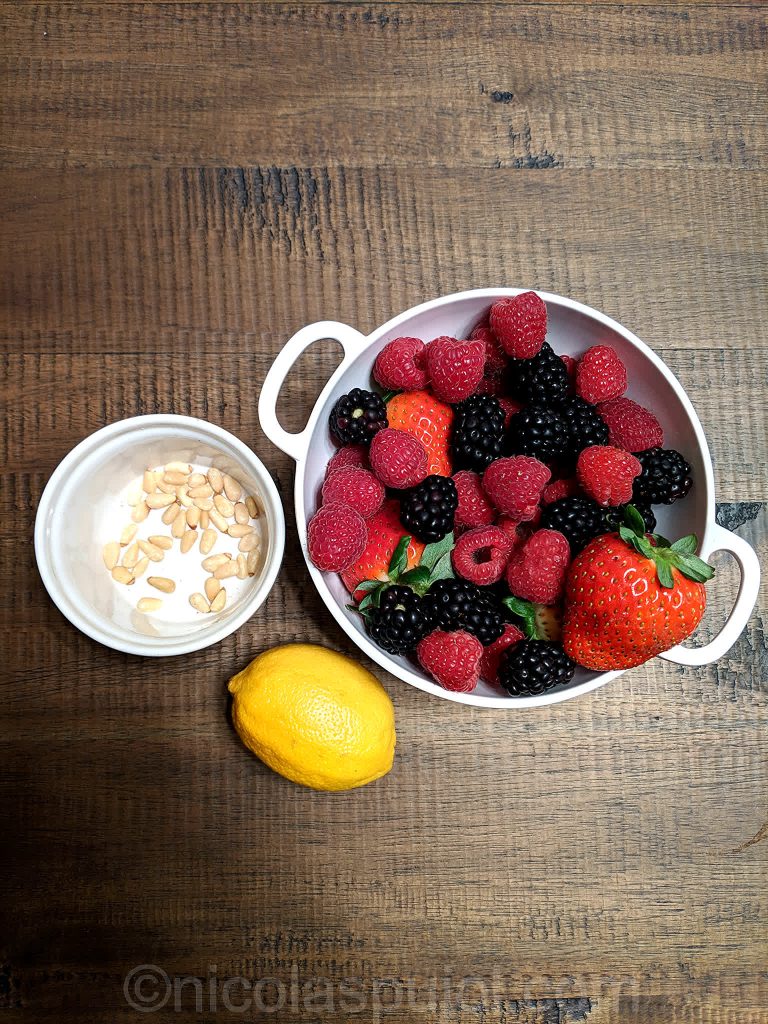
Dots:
{"x": 314, "y": 716}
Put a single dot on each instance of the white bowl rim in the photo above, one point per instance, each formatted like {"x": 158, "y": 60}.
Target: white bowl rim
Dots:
{"x": 210, "y": 432}
{"x": 355, "y": 345}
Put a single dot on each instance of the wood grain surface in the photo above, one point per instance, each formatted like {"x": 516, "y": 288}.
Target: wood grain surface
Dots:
{"x": 184, "y": 185}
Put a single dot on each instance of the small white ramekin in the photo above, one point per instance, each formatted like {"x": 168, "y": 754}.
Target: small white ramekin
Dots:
{"x": 573, "y": 327}
{"x": 70, "y": 530}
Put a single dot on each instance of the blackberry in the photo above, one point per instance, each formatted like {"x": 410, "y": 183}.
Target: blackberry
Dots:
{"x": 356, "y": 417}
{"x": 459, "y": 604}
{"x": 666, "y": 476}
{"x": 427, "y": 511}
{"x": 614, "y": 517}
{"x": 585, "y": 426}
{"x": 478, "y": 432}
{"x": 533, "y": 666}
{"x": 542, "y": 380}
{"x": 580, "y": 520}
{"x": 399, "y": 622}
{"x": 539, "y": 432}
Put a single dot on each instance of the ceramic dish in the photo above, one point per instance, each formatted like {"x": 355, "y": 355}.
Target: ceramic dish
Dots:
{"x": 573, "y": 328}
{"x": 83, "y": 507}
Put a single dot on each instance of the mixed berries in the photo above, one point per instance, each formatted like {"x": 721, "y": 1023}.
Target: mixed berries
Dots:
{"x": 490, "y": 511}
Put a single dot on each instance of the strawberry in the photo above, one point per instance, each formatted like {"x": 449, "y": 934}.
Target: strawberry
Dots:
{"x": 630, "y": 596}
{"x": 384, "y": 533}
{"x": 428, "y": 419}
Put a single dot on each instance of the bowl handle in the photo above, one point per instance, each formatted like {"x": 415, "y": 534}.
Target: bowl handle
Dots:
{"x": 724, "y": 540}
{"x": 350, "y": 340}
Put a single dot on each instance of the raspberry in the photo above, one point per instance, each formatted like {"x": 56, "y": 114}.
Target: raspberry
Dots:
{"x": 336, "y": 537}
{"x": 453, "y": 659}
{"x": 510, "y": 407}
{"x": 536, "y": 571}
{"x": 631, "y": 426}
{"x": 520, "y": 324}
{"x": 489, "y": 662}
{"x": 518, "y": 533}
{"x": 352, "y": 455}
{"x": 455, "y": 368}
{"x": 514, "y": 485}
{"x": 474, "y": 508}
{"x": 495, "y": 357}
{"x": 401, "y": 365}
{"x": 600, "y": 375}
{"x": 606, "y": 474}
{"x": 491, "y": 386}
{"x": 560, "y": 489}
{"x": 480, "y": 555}
{"x": 355, "y": 487}
{"x": 398, "y": 458}
{"x": 570, "y": 366}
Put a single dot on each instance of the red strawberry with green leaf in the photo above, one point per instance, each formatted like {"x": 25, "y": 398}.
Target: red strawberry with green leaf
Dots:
{"x": 384, "y": 533}
{"x": 430, "y": 420}
{"x": 630, "y": 596}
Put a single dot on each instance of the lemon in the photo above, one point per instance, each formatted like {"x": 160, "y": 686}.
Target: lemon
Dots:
{"x": 314, "y": 716}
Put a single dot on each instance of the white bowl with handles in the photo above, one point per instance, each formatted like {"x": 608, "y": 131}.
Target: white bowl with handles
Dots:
{"x": 572, "y": 328}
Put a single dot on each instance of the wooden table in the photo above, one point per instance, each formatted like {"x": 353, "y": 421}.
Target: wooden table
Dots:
{"x": 184, "y": 185}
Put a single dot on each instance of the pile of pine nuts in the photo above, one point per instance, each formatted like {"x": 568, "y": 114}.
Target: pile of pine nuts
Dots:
{"x": 194, "y": 507}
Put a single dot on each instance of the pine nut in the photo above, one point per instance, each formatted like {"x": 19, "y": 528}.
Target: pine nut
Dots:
{"x": 183, "y": 497}
{"x": 249, "y": 543}
{"x": 122, "y": 575}
{"x": 216, "y": 480}
{"x": 140, "y": 512}
{"x": 203, "y": 491}
{"x": 196, "y": 480}
{"x": 253, "y": 561}
{"x": 253, "y": 508}
{"x": 199, "y": 603}
{"x": 219, "y": 601}
{"x": 207, "y": 540}
{"x": 179, "y": 527}
{"x": 212, "y": 587}
{"x": 159, "y": 500}
{"x": 165, "y": 488}
{"x": 134, "y": 495}
{"x": 206, "y": 504}
{"x": 193, "y": 517}
{"x": 214, "y": 561}
{"x": 161, "y": 583}
{"x": 149, "y": 604}
{"x": 128, "y": 534}
{"x": 188, "y": 541}
{"x": 149, "y": 481}
{"x": 175, "y": 477}
{"x": 161, "y": 541}
{"x": 205, "y": 519}
{"x": 241, "y": 513}
{"x": 141, "y": 567}
{"x": 232, "y": 488}
{"x": 110, "y": 553}
{"x": 170, "y": 514}
{"x": 218, "y": 520}
{"x": 224, "y": 506}
{"x": 131, "y": 556}
{"x": 242, "y": 567}
{"x": 225, "y": 571}
{"x": 239, "y": 530}
{"x": 178, "y": 467}
{"x": 153, "y": 553}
